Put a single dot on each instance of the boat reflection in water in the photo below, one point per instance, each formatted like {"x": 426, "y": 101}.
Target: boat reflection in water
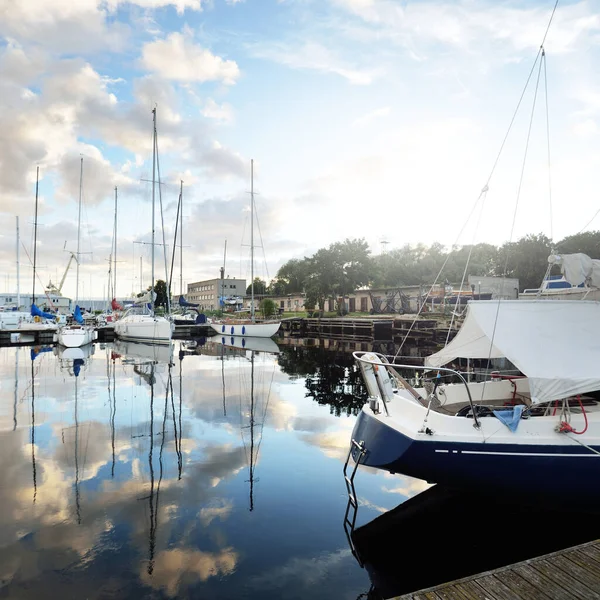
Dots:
{"x": 443, "y": 534}
{"x": 147, "y": 361}
{"x": 255, "y": 392}
{"x": 72, "y": 361}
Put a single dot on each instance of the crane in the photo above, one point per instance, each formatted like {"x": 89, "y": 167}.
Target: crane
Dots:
{"x": 51, "y": 288}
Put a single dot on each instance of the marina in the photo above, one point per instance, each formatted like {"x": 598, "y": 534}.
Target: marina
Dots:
{"x": 213, "y": 468}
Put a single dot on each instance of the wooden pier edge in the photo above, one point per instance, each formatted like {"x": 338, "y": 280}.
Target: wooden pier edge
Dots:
{"x": 571, "y": 573}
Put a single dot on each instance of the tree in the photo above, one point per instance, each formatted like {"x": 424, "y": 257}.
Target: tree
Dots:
{"x": 260, "y": 287}
{"x": 293, "y": 275}
{"x": 277, "y": 287}
{"x": 587, "y": 242}
{"x": 160, "y": 289}
{"x": 267, "y": 307}
{"x": 526, "y": 259}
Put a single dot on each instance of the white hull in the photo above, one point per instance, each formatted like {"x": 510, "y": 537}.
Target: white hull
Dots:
{"x": 41, "y": 326}
{"x": 76, "y": 336}
{"x": 563, "y": 294}
{"x": 264, "y": 344}
{"x": 144, "y": 328}
{"x": 141, "y": 353}
{"x": 249, "y": 329}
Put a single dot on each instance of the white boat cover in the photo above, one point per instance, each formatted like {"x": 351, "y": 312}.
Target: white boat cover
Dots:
{"x": 556, "y": 344}
{"x": 578, "y": 268}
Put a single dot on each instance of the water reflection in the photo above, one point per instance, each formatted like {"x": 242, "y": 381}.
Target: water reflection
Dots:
{"x": 445, "y": 534}
{"x": 190, "y": 471}
{"x": 331, "y": 377}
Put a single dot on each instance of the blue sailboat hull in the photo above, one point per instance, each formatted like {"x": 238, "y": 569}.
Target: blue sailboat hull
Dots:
{"x": 526, "y": 468}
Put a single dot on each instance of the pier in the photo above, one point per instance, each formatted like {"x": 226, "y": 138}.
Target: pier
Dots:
{"x": 568, "y": 574}
{"x": 427, "y": 331}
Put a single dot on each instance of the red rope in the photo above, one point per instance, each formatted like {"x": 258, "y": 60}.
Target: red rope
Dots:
{"x": 566, "y": 428}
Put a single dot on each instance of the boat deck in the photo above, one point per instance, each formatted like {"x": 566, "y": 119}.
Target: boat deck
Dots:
{"x": 568, "y": 574}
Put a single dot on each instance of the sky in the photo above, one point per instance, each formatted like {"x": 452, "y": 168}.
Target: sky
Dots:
{"x": 375, "y": 119}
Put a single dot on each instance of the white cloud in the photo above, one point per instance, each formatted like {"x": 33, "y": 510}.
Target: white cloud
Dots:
{"x": 314, "y": 56}
{"x": 178, "y": 58}
{"x": 218, "y": 112}
{"x": 367, "y": 119}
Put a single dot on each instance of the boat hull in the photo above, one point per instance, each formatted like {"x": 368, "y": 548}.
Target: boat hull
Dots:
{"x": 75, "y": 337}
{"x": 264, "y": 330}
{"x": 523, "y": 467}
{"x": 142, "y": 328}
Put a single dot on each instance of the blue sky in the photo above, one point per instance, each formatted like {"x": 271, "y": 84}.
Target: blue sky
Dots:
{"x": 365, "y": 118}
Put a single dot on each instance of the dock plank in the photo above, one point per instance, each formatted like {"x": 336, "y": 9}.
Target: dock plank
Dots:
{"x": 569, "y": 574}
{"x": 592, "y": 551}
{"x": 520, "y": 587}
{"x": 542, "y": 583}
{"x": 472, "y": 590}
{"x": 561, "y": 578}
{"x": 579, "y": 558}
{"x": 584, "y": 576}
{"x": 494, "y": 586}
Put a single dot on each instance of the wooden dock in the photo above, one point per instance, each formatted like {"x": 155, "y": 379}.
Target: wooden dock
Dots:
{"x": 571, "y": 574}
{"x": 422, "y": 331}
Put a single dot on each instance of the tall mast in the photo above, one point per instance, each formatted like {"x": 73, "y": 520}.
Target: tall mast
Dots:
{"x": 223, "y": 277}
{"x": 252, "y": 239}
{"x": 115, "y": 249}
{"x": 18, "y": 273}
{"x": 79, "y": 231}
{"x": 181, "y": 240}
{"x": 252, "y": 431}
{"x": 153, "y": 192}
{"x": 37, "y": 180}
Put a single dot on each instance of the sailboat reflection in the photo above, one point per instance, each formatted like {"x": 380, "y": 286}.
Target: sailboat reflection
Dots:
{"x": 71, "y": 361}
{"x": 439, "y": 519}
{"x": 148, "y": 360}
{"x": 34, "y": 353}
{"x": 258, "y": 393}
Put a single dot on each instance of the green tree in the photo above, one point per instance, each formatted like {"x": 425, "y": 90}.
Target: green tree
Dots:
{"x": 260, "y": 287}
{"x": 293, "y": 275}
{"x": 526, "y": 259}
{"x": 277, "y": 287}
{"x": 267, "y": 307}
{"x": 587, "y": 242}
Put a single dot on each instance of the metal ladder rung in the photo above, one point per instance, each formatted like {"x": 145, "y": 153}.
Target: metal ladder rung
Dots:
{"x": 352, "y": 505}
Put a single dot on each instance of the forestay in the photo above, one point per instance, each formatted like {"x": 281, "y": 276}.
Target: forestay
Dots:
{"x": 555, "y": 343}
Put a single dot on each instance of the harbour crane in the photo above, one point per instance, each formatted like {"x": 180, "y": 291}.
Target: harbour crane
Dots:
{"x": 51, "y": 288}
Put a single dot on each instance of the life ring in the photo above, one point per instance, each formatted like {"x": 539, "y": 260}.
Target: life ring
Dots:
{"x": 37, "y": 319}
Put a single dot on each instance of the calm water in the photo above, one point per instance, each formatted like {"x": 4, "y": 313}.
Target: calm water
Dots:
{"x": 215, "y": 476}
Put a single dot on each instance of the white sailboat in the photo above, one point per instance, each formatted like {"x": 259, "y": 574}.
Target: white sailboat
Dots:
{"x": 140, "y": 323}
{"x": 248, "y": 327}
{"x": 77, "y": 333}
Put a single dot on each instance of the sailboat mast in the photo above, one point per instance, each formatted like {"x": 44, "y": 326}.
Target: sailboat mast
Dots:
{"x": 18, "y": 271}
{"x": 37, "y": 181}
{"x": 78, "y": 232}
{"x": 252, "y": 431}
{"x": 153, "y": 193}
{"x": 252, "y": 239}
{"x": 181, "y": 240}
{"x": 115, "y": 250}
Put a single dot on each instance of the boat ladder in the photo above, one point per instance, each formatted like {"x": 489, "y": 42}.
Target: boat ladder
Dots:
{"x": 352, "y": 506}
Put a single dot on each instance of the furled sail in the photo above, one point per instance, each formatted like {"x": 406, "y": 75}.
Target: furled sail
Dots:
{"x": 77, "y": 316}
{"x": 115, "y": 305}
{"x": 37, "y": 312}
{"x": 184, "y": 302}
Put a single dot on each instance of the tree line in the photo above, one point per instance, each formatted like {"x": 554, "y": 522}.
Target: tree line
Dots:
{"x": 343, "y": 267}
